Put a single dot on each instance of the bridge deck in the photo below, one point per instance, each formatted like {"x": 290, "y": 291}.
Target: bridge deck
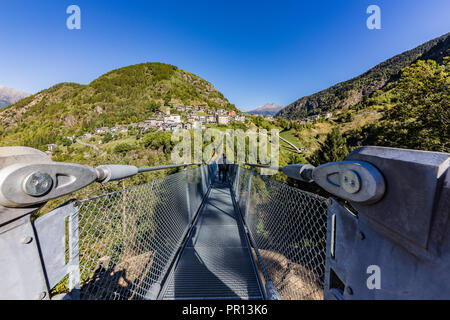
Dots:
{"x": 216, "y": 260}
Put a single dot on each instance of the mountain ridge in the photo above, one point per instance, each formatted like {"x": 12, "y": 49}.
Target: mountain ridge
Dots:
{"x": 348, "y": 93}
{"x": 10, "y": 95}
{"x": 266, "y": 109}
{"x": 121, "y": 96}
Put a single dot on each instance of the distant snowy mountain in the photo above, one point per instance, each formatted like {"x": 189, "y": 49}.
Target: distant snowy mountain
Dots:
{"x": 9, "y": 96}
{"x": 267, "y": 109}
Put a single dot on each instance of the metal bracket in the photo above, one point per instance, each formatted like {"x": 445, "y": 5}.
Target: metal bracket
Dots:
{"x": 356, "y": 181}
{"x": 355, "y": 249}
{"x": 24, "y": 184}
{"x": 52, "y": 238}
{"x": 21, "y": 272}
{"x": 28, "y": 177}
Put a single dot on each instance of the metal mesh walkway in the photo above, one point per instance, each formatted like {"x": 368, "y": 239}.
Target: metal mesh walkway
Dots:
{"x": 147, "y": 242}
{"x": 216, "y": 260}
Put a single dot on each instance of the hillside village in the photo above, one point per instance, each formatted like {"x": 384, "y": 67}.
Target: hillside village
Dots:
{"x": 189, "y": 117}
{"x": 174, "y": 117}
{"x": 170, "y": 119}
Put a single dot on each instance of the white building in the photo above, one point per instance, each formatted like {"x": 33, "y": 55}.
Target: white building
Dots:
{"x": 328, "y": 115}
{"x": 211, "y": 119}
{"x": 176, "y": 126}
{"x": 86, "y": 136}
{"x": 223, "y": 120}
{"x": 101, "y": 130}
{"x": 221, "y": 112}
{"x": 52, "y": 147}
{"x": 174, "y": 118}
{"x": 154, "y": 122}
{"x": 145, "y": 126}
{"x": 239, "y": 118}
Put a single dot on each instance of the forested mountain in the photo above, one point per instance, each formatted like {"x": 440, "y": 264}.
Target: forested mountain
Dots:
{"x": 416, "y": 110}
{"x": 351, "y": 92}
{"x": 122, "y": 96}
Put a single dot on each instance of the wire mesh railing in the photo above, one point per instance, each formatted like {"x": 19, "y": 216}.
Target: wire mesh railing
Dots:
{"x": 128, "y": 238}
{"x": 123, "y": 243}
{"x": 120, "y": 245}
{"x": 288, "y": 230}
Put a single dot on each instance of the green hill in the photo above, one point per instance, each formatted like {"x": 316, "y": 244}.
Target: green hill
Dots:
{"x": 349, "y": 93}
{"x": 122, "y": 96}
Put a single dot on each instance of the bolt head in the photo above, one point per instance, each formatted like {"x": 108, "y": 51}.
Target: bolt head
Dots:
{"x": 349, "y": 290}
{"x": 350, "y": 181}
{"x": 37, "y": 184}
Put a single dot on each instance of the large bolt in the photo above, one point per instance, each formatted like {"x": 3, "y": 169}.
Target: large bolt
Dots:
{"x": 350, "y": 181}
{"x": 37, "y": 184}
{"x": 27, "y": 240}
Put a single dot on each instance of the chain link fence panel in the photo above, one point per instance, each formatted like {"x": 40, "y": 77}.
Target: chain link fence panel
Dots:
{"x": 288, "y": 227}
{"x": 128, "y": 239}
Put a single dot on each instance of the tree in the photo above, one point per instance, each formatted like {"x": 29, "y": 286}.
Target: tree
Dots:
{"x": 167, "y": 99}
{"x": 157, "y": 140}
{"x": 283, "y": 123}
{"x": 66, "y": 142}
{"x": 346, "y": 117}
{"x": 334, "y": 148}
{"x": 107, "y": 137}
{"x": 123, "y": 148}
{"x": 421, "y": 118}
{"x": 420, "y": 115}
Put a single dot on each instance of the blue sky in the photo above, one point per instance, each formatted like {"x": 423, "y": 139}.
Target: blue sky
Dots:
{"x": 252, "y": 51}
